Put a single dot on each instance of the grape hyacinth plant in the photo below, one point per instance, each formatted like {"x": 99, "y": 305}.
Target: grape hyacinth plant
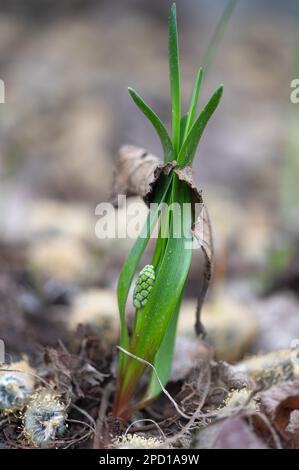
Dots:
{"x": 160, "y": 286}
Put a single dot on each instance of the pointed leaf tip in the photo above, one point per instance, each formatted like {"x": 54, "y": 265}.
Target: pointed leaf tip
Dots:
{"x": 156, "y": 123}
{"x": 189, "y": 147}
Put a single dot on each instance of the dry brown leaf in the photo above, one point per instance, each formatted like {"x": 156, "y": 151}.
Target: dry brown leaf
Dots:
{"x": 231, "y": 433}
{"x": 233, "y": 379}
{"x": 73, "y": 375}
{"x": 271, "y": 368}
{"x": 293, "y": 426}
{"x": 203, "y": 233}
{"x": 281, "y": 404}
{"x": 137, "y": 172}
{"x": 185, "y": 174}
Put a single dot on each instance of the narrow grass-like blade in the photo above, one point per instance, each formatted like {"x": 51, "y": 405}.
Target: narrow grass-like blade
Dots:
{"x": 157, "y": 124}
{"x": 183, "y": 124}
{"x": 193, "y": 105}
{"x": 189, "y": 147}
{"x": 174, "y": 74}
{"x": 163, "y": 359}
{"x": 132, "y": 261}
{"x": 164, "y": 296}
{"x": 217, "y": 34}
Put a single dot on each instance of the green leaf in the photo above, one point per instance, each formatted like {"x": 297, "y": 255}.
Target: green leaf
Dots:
{"x": 165, "y": 294}
{"x": 159, "y": 249}
{"x": 131, "y": 264}
{"x": 188, "y": 150}
{"x": 163, "y": 359}
{"x": 157, "y": 124}
{"x": 154, "y": 331}
{"x": 183, "y": 124}
{"x": 193, "y": 104}
{"x": 174, "y": 73}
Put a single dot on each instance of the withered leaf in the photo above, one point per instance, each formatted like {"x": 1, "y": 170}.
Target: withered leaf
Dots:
{"x": 137, "y": 172}
{"x": 230, "y": 433}
{"x": 232, "y": 378}
{"x": 72, "y": 374}
{"x": 203, "y": 225}
{"x": 185, "y": 174}
{"x": 202, "y": 231}
{"x": 293, "y": 426}
{"x": 281, "y": 404}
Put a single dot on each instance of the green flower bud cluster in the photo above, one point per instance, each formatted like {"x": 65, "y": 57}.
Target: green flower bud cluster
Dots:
{"x": 143, "y": 286}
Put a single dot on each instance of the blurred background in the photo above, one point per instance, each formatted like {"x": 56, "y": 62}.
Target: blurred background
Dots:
{"x": 66, "y": 67}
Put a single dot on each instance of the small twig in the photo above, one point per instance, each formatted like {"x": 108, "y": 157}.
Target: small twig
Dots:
{"x": 105, "y": 402}
{"x": 155, "y": 414}
{"x": 102, "y": 412}
{"x": 148, "y": 420}
{"x": 85, "y": 414}
{"x": 81, "y": 422}
{"x": 189, "y": 396}
{"x": 158, "y": 378}
{"x": 75, "y": 440}
{"x": 270, "y": 428}
{"x": 195, "y": 415}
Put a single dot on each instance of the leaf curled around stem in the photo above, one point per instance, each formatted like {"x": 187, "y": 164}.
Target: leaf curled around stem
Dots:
{"x": 137, "y": 173}
{"x": 202, "y": 231}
